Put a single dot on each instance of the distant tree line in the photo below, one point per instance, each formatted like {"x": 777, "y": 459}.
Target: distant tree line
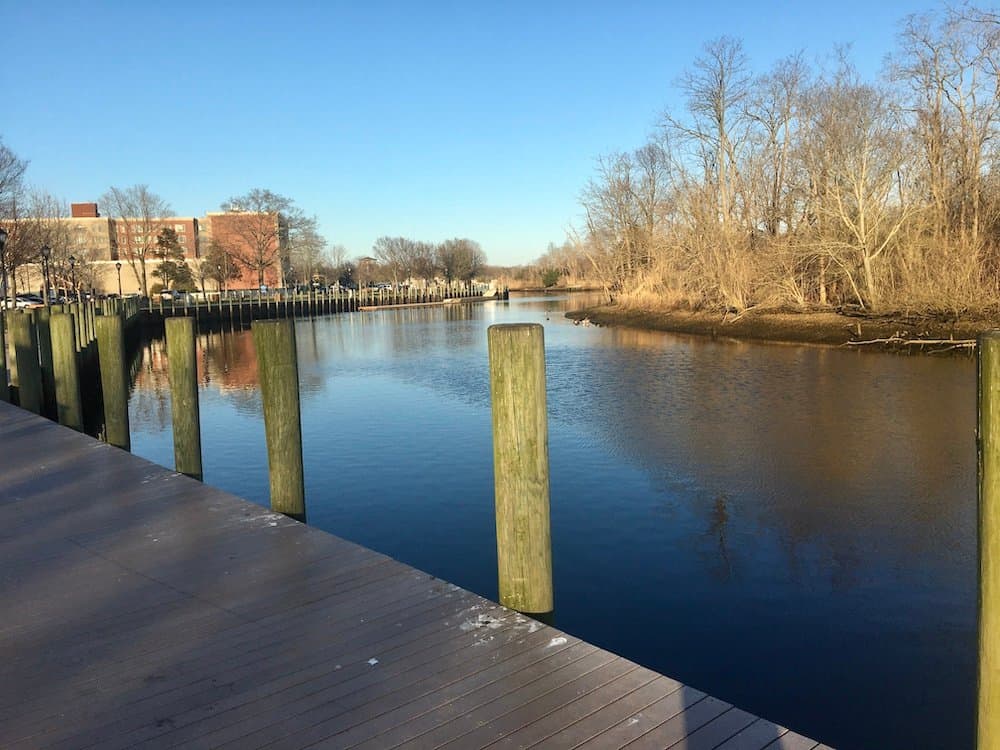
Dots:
{"x": 811, "y": 187}
{"x": 398, "y": 259}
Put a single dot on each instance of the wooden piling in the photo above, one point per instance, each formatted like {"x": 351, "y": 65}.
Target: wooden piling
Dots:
{"x": 183, "y": 363}
{"x": 44, "y": 336}
{"x": 988, "y": 698}
{"x": 277, "y": 365}
{"x": 69, "y": 407}
{"x": 521, "y": 466}
{"x": 29, "y": 374}
{"x": 4, "y": 387}
{"x": 114, "y": 380}
{"x": 74, "y": 310}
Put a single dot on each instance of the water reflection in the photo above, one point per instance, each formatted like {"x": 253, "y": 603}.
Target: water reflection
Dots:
{"x": 789, "y": 528}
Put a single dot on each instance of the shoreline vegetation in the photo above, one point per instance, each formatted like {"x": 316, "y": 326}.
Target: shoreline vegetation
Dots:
{"x": 808, "y": 203}
{"x": 891, "y": 332}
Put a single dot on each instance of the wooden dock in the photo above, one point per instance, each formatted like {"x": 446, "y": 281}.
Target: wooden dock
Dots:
{"x": 144, "y": 609}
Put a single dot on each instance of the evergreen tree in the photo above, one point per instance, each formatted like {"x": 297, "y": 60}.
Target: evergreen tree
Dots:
{"x": 173, "y": 271}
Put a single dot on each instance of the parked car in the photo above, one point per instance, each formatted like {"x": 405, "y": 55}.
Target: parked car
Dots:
{"x": 28, "y": 300}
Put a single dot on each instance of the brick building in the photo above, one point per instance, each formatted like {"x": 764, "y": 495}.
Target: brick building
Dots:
{"x": 256, "y": 243}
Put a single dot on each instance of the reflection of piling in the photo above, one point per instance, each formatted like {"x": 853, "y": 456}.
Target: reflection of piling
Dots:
{"x": 183, "y": 363}
{"x": 29, "y": 374}
{"x": 69, "y": 408}
{"x": 521, "y": 466}
{"x": 988, "y": 720}
{"x": 279, "y": 387}
{"x": 114, "y": 379}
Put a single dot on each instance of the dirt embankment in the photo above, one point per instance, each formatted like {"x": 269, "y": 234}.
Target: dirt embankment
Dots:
{"x": 894, "y": 332}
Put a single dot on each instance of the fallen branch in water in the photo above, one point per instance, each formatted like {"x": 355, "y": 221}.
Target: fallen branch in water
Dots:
{"x": 900, "y": 341}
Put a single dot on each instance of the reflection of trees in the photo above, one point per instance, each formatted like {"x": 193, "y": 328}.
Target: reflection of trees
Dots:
{"x": 849, "y": 456}
{"x": 227, "y": 364}
{"x": 718, "y": 520}
{"x": 150, "y": 397}
{"x": 824, "y": 459}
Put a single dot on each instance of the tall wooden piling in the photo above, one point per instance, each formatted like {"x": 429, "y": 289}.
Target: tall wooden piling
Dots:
{"x": 114, "y": 380}
{"x": 988, "y": 699}
{"x": 73, "y": 309}
{"x": 29, "y": 374}
{"x": 278, "y": 369}
{"x": 69, "y": 407}
{"x": 42, "y": 332}
{"x": 521, "y": 466}
{"x": 183, "y": 363}
{"x": 4, "y": 387}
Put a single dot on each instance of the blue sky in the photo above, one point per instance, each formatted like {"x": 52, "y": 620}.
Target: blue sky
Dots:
{"x": 423, "y": 119}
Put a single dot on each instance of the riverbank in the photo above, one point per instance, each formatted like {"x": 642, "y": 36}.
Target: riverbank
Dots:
{"x": 898, "y": 332}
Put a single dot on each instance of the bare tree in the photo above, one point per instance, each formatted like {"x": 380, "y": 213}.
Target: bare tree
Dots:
{"x": 396, "y": 255}
{"x": 717, "y": 88}
{"x": 306, "y": 248}
{"x": 948, "y": 67}
{"x": 460, "y": 259}
{"x": 38, "y": 221}
{"x": 857, "y": 148}
{"x": 424, "y": 262}
{"x": 138, "y": 213}
{"x": 335, "y": 266}
{"x": 260, "y": 222}
{"x": 12, "y": 171}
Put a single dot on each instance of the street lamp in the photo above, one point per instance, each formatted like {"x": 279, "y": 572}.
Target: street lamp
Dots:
{"x": 72, "y": 271}
{"x": 3, "y": 262}
{"x": 118, "y": 267}
{"x": 46, "y": 254}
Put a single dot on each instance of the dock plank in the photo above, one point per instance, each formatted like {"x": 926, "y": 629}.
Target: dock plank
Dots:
{"x": 144, "y": 609}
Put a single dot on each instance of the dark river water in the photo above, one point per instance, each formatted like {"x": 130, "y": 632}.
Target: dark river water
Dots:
{"x": 791, "y": 529}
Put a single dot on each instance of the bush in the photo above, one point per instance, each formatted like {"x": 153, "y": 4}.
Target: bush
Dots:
{"x": 550, "y": 277}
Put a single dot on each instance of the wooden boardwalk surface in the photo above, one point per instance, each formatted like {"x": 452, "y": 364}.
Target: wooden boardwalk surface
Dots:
{"x": 143, "y": 609}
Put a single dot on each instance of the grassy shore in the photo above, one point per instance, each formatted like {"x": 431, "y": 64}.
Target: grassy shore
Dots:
{"x": 894, "y": 332}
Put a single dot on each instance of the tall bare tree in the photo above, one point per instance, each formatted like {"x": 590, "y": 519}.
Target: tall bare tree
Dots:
{"x": 460, "y": 259}
{"x": 948, "y": 66}
{"x": 306, "y": 248}
{"x": 138, "y": 213}
{"x": 12, "y": 169}
{"x": 262, "y": 224}
{"x": 397, "y": 256}
{"x": 717, "y": 87}
{"x": 857, "y": 141}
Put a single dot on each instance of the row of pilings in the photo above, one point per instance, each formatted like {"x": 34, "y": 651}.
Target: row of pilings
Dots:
{"x": 49, "y": 358}
{"x": 244, "y": 306}
{"x": 57, "y": 350}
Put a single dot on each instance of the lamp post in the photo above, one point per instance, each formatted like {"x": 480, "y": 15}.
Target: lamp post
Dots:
{"x": 72, "y": 271}
{"x": 118, "y": 268}
{"x": 3, "y": 262}
{"x": 46, "y": 254}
